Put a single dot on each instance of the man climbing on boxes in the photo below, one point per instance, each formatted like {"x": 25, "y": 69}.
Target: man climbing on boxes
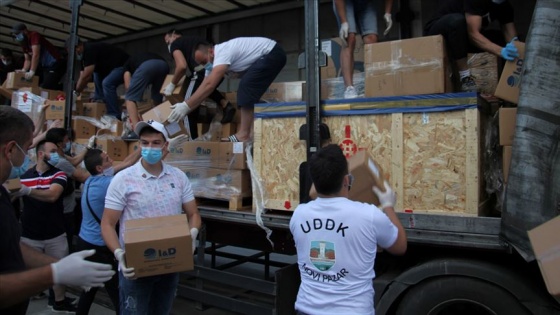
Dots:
{"x": 463, "y": 24}
{"x": 150, "y": 188}
{"x": 257, "y": 60}
{"x": 41, "y": 58}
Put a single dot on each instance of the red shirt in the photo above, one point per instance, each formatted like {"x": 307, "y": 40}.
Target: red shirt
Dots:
{"x": 34, "y": 38}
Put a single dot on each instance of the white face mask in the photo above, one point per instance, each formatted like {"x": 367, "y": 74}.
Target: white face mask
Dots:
{"x": 169, "y": 47}
{"x": 109, "y": 171}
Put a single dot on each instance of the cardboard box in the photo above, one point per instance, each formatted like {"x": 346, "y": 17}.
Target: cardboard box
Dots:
{"x": 508, "y": 87}
{"x": 232, "y": 156}
{"x": 195, "y": 153}
{"x": 332, "y": 48}
{"x": 28, "y": 103}
{"x": 52, "y": 95}
{"x": 56, "y": 110}
{"x": 116, "y": 129}
{"x": 115, "y": 149}
{"x": 94, "y": 110}
{"x": 484, "y": 68}
{"x": 179, "y": 91}
{"x": 12, "y": 185}
{"x": 83, "y": 129}
{"x": 406, "y": 67}
{"x": 16, "y": 80}
{"x": 367, "y": 173}
{"x": 506, "y": 161}
{"x": 228, "y": 129}
{"x": 160, "y": 114}
{"x": 284, "y": 92}
{"x": 546, "y": 246}
{"x": 160, "y": 245}
{"x": 506, "y": 122}
{"x": 218, "y": 183}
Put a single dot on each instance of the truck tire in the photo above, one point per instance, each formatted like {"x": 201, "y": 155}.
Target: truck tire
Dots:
{"x": 454, "y": 295}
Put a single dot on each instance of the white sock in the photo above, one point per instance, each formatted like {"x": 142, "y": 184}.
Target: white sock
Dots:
{"x": 465, "y": 73}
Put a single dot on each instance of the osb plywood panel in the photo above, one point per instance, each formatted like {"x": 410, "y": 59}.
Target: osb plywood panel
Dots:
{"x": 277, "y": 156}
{"x": 430, "y": 159}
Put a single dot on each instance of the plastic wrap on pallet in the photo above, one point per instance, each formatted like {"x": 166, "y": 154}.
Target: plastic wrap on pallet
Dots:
{"x": 217, "y": 183}
{"x": 28, "y": 103}
{"x": 484, "y": 68}
{"x": 332, "y": 89}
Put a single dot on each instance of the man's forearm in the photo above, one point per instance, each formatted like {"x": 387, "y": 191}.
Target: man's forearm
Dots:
{"x": 19, "y": 286}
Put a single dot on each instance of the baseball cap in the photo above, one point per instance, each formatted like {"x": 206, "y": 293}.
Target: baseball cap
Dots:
{"x": 152, "y": 124}
{"x": 18, "y": 28}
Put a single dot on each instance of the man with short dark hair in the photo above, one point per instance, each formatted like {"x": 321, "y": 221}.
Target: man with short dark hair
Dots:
{"x": 332, "y": 229}
{"x": 149, "y": 188}
{"x": 40, "y": 54}
{"x": 24, "y": 270}
{"x": 463, "y": 24}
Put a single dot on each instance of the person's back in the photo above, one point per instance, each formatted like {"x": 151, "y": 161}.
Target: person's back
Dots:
{"x": 105, "y": 57}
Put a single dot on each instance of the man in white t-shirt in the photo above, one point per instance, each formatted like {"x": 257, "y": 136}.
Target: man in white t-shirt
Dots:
{"x": 256, "y": 60}
{"x": 149, "y": 188}
{"x": 336, "y": 240}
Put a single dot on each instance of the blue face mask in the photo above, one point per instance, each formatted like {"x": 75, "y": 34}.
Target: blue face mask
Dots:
{"x": 20, "y": 37}
{"x": 54, "y": 159}
{"x": 152, "y": 155}
{"x": 208, "y": 66}
{"x": 17, "y": 171}
{"x": 68, "y": 147}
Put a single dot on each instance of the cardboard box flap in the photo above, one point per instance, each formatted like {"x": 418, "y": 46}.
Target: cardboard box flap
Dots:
{"x": 546, "y": 246}
{"x": 164, "y": 231}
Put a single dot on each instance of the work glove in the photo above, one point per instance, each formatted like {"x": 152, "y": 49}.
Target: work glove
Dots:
{"x": 194, "y": 234}
{"x": 169, "y": 89}
{"x": 179, "y": 111}
{"x": 387, "y": 198}
{"x": 510, "y": 51}
{"x": 178, "y": 141}
{"x": 119, "y": 256}
{"x": 388, "y": 23}
{"x": 23, "y": 191}
{"x": 91, "y": 142}
{"x": 29, "y": 74}
{"x": 74, "y": 270}
{"x": 343, "y": 33}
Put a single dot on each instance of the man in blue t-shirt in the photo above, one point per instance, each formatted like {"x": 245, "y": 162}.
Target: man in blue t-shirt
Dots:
{"x": 101, "y": 168}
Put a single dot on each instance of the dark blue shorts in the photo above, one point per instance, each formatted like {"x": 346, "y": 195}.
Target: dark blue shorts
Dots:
{"x": 259, "y": 76}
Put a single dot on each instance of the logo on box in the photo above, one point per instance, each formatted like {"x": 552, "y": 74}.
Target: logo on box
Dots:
{"x": 151, "y": 253}
{"x": 203, "y": 151}
{"x": 54, "y": 107}
{"x": 515, "y": 77}
{"x": 178, "y": 150}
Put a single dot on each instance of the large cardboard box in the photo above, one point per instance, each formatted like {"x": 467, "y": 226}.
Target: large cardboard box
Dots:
{"x": 232, "y": 156}
{"x": 484, "y": 68}
{"x": 94, "y": 110}
{"x": 283, "y": 92}
{"x": 179, "y": 91}
{"x": 160, "y": 245}
{"x": 195, "y": 153}
{"x": 16, "y": 80}
{"x": 56, "y": 110}
{"x": 506, "y": 122}
{"x": 546, "y": 245}
{"x": 160, "y": 114}
{"x": 52, "y": 95}
{"x": 116, "y": 149}
{"x": 83, "y": 129}
{"x": 508, "y": 87}
{"x": 366, "y": 174}
{"x": 406, "y": 67}
{"x": 506, "y": 161}
{"x": 28, "y": 103}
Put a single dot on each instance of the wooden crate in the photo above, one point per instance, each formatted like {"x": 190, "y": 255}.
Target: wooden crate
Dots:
{"x": 428, "y": 146}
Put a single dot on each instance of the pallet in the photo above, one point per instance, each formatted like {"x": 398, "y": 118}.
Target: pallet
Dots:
{"x": 233, "y": 203}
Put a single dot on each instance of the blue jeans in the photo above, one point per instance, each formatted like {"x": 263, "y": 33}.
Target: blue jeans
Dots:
{"x": 106, "y": 89}
{"x": 152, "y": 72}
{"x": 149, "y": 295}
{"x": 361, "y": 16}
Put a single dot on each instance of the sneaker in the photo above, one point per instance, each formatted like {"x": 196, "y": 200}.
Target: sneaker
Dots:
{"x": 67, "y": 300}
{"x": 350, "y": 92}
{"x": 64, "y": 307}
{"x": 229, "y": 112}
{"x": 468, "y": 84}
{"x": 131, "y": 136}
{"x": 39, "y": 296}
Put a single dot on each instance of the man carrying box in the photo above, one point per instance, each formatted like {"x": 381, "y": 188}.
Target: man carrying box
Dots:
{"x": 149, "y": 188}
{"x": 461, "y": 22}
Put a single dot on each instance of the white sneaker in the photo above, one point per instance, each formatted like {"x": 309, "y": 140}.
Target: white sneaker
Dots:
{"x": 350, "y": 92}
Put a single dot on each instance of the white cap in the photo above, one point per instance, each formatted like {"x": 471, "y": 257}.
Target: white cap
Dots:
{"x": 153, "y": 124}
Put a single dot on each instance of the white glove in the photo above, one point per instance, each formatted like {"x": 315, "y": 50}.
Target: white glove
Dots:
{"x": 194, "y": 234}
{"x": 179, "y": 111}
{"x": 23, "y": 191}
{"x": 127, "y": 272}
{"x": 386, "y": 198}
{"x": 91, "y": 142}
{"x": 169, "y": 89}
{"x": 343, "y": 33}
{"x": 29, "y": 74}
{"x": 178, "y": 141}
{"x": 388, "y": 22}
{"x": 74, "y": 270}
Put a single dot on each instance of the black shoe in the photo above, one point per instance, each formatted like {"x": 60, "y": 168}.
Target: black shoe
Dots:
{"x": 468, "y": 84}
{"x": 131, "y": 136}
{"x": 229, "y": 113}
{"x": 64, "y": 307}
{"x": 67, "y": 300}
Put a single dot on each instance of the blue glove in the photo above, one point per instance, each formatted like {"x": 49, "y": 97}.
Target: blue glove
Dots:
{"x": 510, "y": 51}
